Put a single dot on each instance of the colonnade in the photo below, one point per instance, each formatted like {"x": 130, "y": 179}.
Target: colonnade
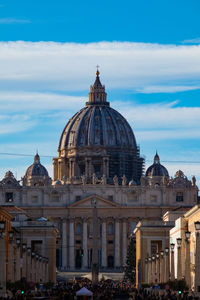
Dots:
{"x": 117, "y": 242}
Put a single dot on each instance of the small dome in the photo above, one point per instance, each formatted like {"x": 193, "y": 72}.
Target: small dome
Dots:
{"x": 36, "y": 169}
{"x": 157, "y": 169}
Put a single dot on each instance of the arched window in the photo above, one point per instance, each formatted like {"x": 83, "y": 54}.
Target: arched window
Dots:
{"x": 110, "y": 228}
{"x": 78, "y": 228}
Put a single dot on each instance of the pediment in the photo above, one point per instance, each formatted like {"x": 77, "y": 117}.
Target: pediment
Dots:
{"x": 89, "y": 202}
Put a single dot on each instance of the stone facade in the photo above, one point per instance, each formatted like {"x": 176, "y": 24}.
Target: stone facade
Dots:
{"x": 107, "y": 170}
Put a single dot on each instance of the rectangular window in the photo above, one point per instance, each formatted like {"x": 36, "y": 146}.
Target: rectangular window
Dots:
{"x": 110, "y": 198}
{"x": 78, "y": 198}
{"x": 110, "y": 242}
{"x": 9, "y": 197}
{"x": 153, "y": 198}
{"x": 34, "y": 198}
{"x": 179, "y": 197}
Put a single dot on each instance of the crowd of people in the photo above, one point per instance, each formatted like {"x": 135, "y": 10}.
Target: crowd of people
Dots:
{"x": 104, "y": 290}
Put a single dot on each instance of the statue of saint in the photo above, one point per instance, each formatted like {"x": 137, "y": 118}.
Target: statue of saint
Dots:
{"x": 115, "y": 180}
{"x": 124, "y": 180}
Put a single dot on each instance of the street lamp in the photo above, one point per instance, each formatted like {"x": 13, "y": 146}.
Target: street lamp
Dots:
{"x": 172, "y": 246}
{"x": 179, "y": 265}
{"x": 166, "y": 264}
{"x": 197, "y": 225}
{"x": 18, "y": 241}
{"x": 187, "y": 235}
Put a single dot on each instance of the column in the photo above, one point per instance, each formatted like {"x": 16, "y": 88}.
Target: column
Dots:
{"x": 11, "y": 262}
{"x": 24, "y": 264}
{"x": 64, "y": 244}
{"x": 33, "y": 266}
{"x": 153, "y": 261}
{"x": 187, "y": 264}
{"x": 172, "y": 264}
{"x": 166, "y": 264}
{"x": 2, "y": 266}
{"x": 146, "y": 271}
{"x": 149, "y": 271}
{"x": 124, "y": 242}
{"x": 86, "y": 168}
{"x": 179, "y": 269}
{"x": 28, "y": 269}
{"x": 17, "y": 263}
{"x": 197, "y": 263}
{"x": 117, "y": 244}
{"x": 71, "y": 244}
{"x": 85, "y": 261}
{"x": 162, "y": 267}
{"x": 104, "y": 245}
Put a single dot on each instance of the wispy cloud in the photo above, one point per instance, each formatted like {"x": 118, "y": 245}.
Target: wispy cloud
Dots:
{"x": 166, "y": 89}
{"x": 192, "y": 41}
{"x": 70, "y": 66}
{"x": 13, "y": 21}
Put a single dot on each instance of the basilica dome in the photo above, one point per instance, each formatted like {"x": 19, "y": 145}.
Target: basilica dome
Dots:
{"x": 36, "y": 174}
{"x": 98, "y": 140}
{"x": 36, "y": 169}
{"x": 157, "y": 169}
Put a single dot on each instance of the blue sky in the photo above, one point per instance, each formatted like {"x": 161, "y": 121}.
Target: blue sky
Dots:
{"x": 149, "y": 57}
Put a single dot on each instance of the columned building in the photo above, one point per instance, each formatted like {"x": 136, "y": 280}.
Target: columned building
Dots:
{"x": 98, "y": 162}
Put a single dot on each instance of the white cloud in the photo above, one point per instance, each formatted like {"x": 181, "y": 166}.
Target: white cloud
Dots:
{"x": 70, "y": 66}
{"x": 13, "y": 124}
{"x": 13, "y": 20}
{"x": 166, "y": 89}
{"x": 192, "y": 41}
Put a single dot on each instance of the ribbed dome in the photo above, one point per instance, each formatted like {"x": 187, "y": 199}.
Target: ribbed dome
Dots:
{"x": 156, "y": 169}
{"x": 36, "y": 169}
{"x": 97, "y": 125}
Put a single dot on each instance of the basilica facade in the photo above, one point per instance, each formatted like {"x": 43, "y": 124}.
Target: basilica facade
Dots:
{"x": 98, "y": 162}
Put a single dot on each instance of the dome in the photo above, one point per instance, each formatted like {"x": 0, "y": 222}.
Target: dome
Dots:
{"x": 157, "y": 169}
{"x": 36, "y": 169}
{"x": 97, "y": 140}
{"x": 97, "y": 124}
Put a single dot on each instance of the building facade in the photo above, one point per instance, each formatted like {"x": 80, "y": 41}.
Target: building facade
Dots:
{"x": 98, "y": 161}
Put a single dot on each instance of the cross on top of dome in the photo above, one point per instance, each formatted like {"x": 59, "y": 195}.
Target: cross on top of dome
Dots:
{"x": 97, "y": 95}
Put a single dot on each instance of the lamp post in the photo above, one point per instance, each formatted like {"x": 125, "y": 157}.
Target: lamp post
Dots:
{"x": 179, "y": 265}
{"x": 187, "y": 259}
{"x": 197, "y": 259}
{"x": 18, "y": 259}
{"x": 28, "y": 269}
{"x": 149, "y": 271}
{"x": 24, "y": 260}
{"x": 10, "y": 257}
{"x": 166, "y": 264}
{"x": 157, "y": 267}
{"x": 2, "y": 261}
{"x": 162, "y": 266}
{"x": 146, "y": 270}
{"x": 172, "y": 262}
{"x": 153, "y": 259}
{"x": 95, "y": 260}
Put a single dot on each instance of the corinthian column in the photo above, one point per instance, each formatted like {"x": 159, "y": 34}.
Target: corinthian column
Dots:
{"x": 104, "y": 245}
{"x": 71, "y": 244}
{"x": 117, "y": 244}
{"x": 124, "y": 243}
{"x": 85, "y": 261}
{"x": 64, "y": 244}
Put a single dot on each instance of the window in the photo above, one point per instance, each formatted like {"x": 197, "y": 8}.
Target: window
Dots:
{"x": 110, "y": 198}
{"x": 78, "y": 229}
{"x": 179, "y": 197}
{"x": 110, "y": 228}
{"x": 132, "y": 197}
{"x": 55, "y": 196}
{"x": 34, "y": 198}
{"x": 9, "y": 197}
{"x": 78, "y": 242}
{"x": 153, "y": 198}
{"x": 78, "y": 198}
{"x": 110, "y": 242}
